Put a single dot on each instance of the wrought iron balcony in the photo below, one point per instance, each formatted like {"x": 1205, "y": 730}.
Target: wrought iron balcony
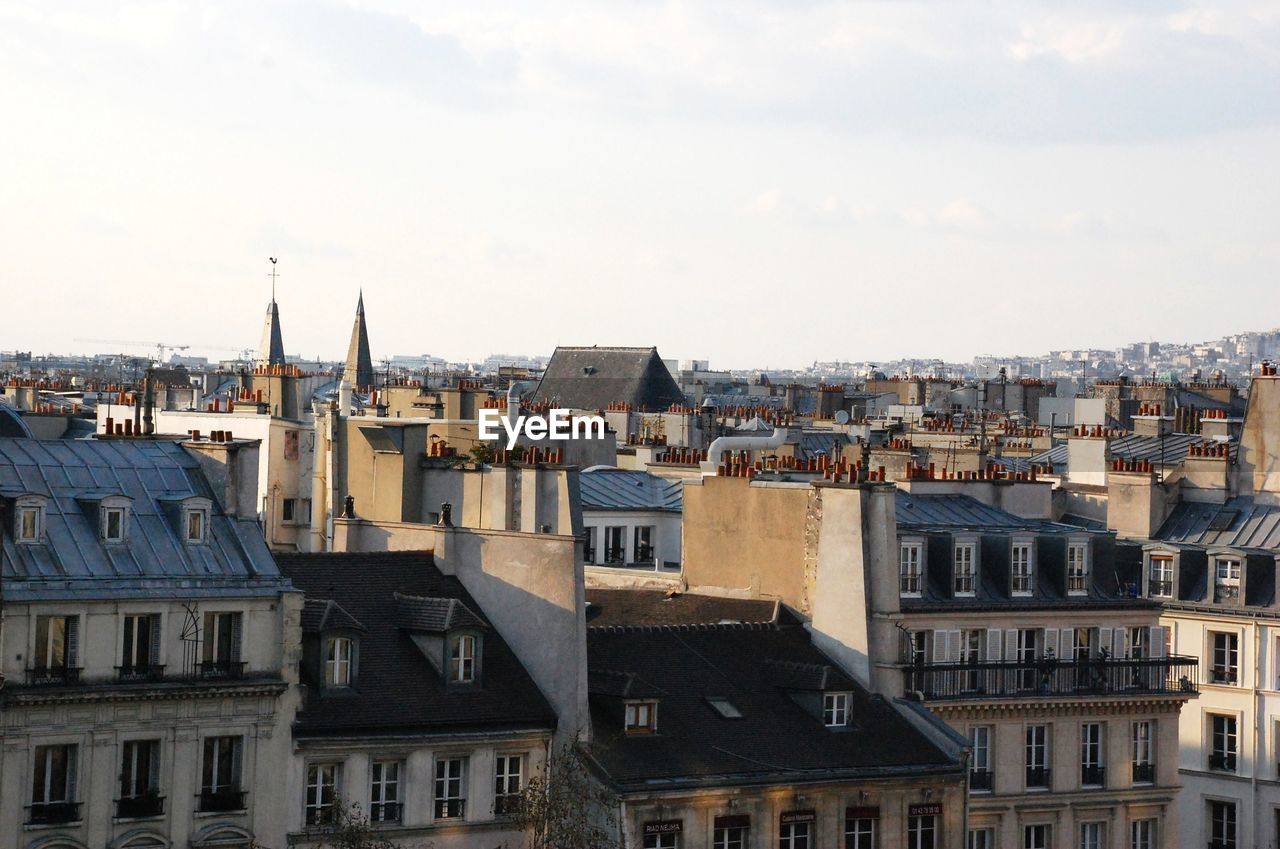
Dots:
{"x": 1223, "y": 761}
{"x": 53, "y": 676}
{"x": 384, "y": 812}
{"x": 230, "y": 799}
{"x": 1093, "y": 776}
{"x": 615, "y": 555}
{"x": 1050, "y": 677}
{"x": 147, "y": 805}
{"x": 980, "y": 780}
{"x": 1039, "y": 777}
{"x": 450, "y": 808}
{"x": 220, "y": 669}
{"x": 140, "y": 673}
{"x": 1160, "y": 589}
{"x": 53, "y": 813}
{"x": 1144, "y": 773}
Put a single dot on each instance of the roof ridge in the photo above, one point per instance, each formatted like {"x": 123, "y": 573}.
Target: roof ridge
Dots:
{"x": 687, "y": 627}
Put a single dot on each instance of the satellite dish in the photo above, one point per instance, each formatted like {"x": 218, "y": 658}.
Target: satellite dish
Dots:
{"x": 842, "y": 417}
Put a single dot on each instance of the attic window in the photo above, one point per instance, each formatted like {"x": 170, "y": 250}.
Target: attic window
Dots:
{"x": 462, "y": 659}
{"x": 835, "y": 710}
{"x": 197, "y": 520}
{"x": 30, "y": 524}
{"x": 725, "y": 708}
{"x": 641, "y": 718}
{"x": 113, "y": 524}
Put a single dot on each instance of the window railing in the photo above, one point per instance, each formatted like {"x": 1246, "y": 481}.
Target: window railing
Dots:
{"x": 980, "y": 780}
{"x": 1038, "y": 777}
{"x": 141, "y": 672}
{"x": 217, "y": 801}
{"x": 614, "y": 555}
{"x": 1050, "y": 677}
{"x": 506, "y": 804}
{"x": 53, "y": 813}
{"x": 644, "y": 553}
{"x": 1226, "y": 592}
{"x": 1223, "y": 675}
{"x": 589, "y": 554}
{"x": 1224, "y": 761}
{"x": 220, "y": 669}
{"x": 146, "y": 805}
{"x": 1093, "y": 776}
{"x": 1160, "y": 588}
{"x": 1222, "y": 844}
{"x": 53, "y": 676}
{"x": 384, "y": 812}
{"x": 450, "y": 808}
{"x": 1144, "y": 773}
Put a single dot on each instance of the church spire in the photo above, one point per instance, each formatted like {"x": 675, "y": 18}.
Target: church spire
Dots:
{"x": 359, "y": 368}
{"x": 271, "y": 351}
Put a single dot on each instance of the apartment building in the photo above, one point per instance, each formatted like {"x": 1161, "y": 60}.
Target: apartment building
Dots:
{"x": 148, "y": 653}
{"x": 631, "y": 519}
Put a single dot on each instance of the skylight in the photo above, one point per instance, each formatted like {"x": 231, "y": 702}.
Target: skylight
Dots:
{"x": 724, "y": 707}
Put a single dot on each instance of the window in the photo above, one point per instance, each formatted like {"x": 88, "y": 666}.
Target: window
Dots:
{"x": 729, "y": 832}
{"x": 835, "y": 710}
{"x": 1092, "y": 764}
{"x": 1077, "y": 568}
{"x": 337, "y": 662}
{"x": 113, "y": 524}
{"x": 589, "y": 546}
{"x": 1036, "y": 836}
{"x": 322, "y": 793}
{"x": 53, "y": 785}
{"x": 970, "y": 656}
{"x": 662, "y": 840}
{"x": 909, "y": 569}
{"x": 922, "y": 832}
{"x": 724, "y": 708}
{"x": 1160, "y": 583}
{"x": 1142, "y": 834}
{"x": 614, "y": 545}
{"x": 220, "y": 651}
{"x": 140, "y": 655}
{"x": 1225, "y": 658}
{"x": 1222, "y": 742}
{"x": 964, "y": 575}
{"x": 795, "y": 835}
{"x": 1226, "y": 579}
{"x": 451, "y": 791}
{"x": 1037, "y": 755}
{"x": 57, "y": 643}
{"x": 1025, "y": 653}
{"x": 289, "y": 510}
{"x": 139, "y": 768}
{"x": 918, "y": 647}
{"x": 30, "y": 525}
{"x": 643, "y": 539}
{"x": 1144, "y": 768}
{"x": 1222, "y": 825}
{"x": 980, "y": 762}
{"x": 508, "y": 782}
{"x": 1091, "y": 835}
{"x": 462, "y": 659}
{"x": 384, "y": 791}
{"x": 1021, "y": 565}
{"x": 1135, "y": 643}
{"x": 982, "y": 838}
{"x": 859, "y": 832}
{"x": 640, "y": 717}
{"x": 195, "y": 525}
{"x": 220, "y": 774}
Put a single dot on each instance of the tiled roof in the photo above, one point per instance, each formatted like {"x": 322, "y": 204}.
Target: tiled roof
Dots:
{"x": 775, "y": 741}
{"x": 592, "y": 378}
{"x": 625, "y": 489}
{"x": 73, "y": 559}
{"x": 438, "y": 615}
{"x": 629, "y": 608}
{"x": 397, "y": 690}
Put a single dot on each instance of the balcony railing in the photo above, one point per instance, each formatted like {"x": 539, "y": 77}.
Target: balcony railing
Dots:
{"x": 140, "y": 673}
{"x": 1144, "y": 773}
{"x": 1160, "y": 589}
{"x": 615, "y": 555}
{"x": 1222, "y": 844}
{"x": 220, "y": 801}
{"x": 132, "y": 807}
{"x": 1222, "y": 761}
{"x": 1049, "y": 677}
{"x": 450, "y": 808}
{"x": 384, "y": 812}
{"x": 53, "y": 676}
{"x": 980, "y": 780}
{"x": 53, "y": 813}
{"x": 1038, "y": 777}
{"x": 220, "y": 669}
{"x": 1093, "y": 776}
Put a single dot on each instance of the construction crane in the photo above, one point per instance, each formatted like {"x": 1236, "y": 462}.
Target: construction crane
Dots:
{"x": 160, "y": 347}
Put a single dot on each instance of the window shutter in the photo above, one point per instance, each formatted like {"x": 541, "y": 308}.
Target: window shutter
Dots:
{"x": 72, "y": 770}
{"x": 1051, "y": 642}
{"x": 1157, "y": 641}
{"x": 237, "y": 621}
{"x": 237, "y": 763}
{"x": 940, "y": 647}
{"x": 1011, "y": 644}
{"x": 73, "y": 642}
{"x": 1104, "y": 640}
{"x": 953, "y": 646}
{"x": 153, "y": 775}
{"x": 155, "y": 639}
{"x": 1118, "y": 636}
{"x": 1067, "y": 643}
{"x": 993, "y": 644}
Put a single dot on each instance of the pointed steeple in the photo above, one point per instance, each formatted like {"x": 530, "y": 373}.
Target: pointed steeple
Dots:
{"x": 359, "y": 369}
{"x": 271, "y": 351}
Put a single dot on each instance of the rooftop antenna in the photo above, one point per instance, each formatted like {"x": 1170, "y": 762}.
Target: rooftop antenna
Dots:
{"x": 273, "y": 278}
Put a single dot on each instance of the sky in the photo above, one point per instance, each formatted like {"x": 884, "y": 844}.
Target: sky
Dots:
{"x": 761, "y": 184}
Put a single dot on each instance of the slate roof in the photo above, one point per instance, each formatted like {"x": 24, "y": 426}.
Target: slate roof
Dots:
{"x": 11, "y": 423}
{"x": 626, "y": 489}
{"x": 1239, "y": 523}
{"x": 776, "y": 741}
{"x": 629, "y": 608}
{"x": 953, "y": 510}
{"x": 398, "y": 691}
{"x": 73, "y": 561}
{"x": 320, "y": 615}
{"x": 1172, "y": 452}
{"x": 435, "y": 615}
{"x": 593, "y": 378}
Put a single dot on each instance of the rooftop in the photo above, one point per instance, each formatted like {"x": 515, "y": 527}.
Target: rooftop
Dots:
{"x": 632, "y": 608}
{"x": 625, "y": 489}
{"x": 593, "y": 378}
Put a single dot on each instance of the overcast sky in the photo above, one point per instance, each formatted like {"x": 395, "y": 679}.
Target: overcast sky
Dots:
{"x": 760, "y": 184}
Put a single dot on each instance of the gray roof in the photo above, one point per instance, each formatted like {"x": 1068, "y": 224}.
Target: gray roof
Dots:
{"x": 11, "y": 423}
{"x": 435, "y": 614}
{"x": 1172, "y": 447}
{"x": 960, "y": 511}
{"x": 593, "y": 378}
{"x": 73, "y": 561}
{"x": 271, "y": 351}
{"x": 359, "y": 366}
{"x": 624, "y": 489}
{"x": 1239, "y": 523}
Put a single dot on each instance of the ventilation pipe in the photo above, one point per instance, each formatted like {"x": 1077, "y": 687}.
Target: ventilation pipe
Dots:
{"x": 344, "y": 398}
{"x": 721, "y": 444}
{"x": 514, "y": 391}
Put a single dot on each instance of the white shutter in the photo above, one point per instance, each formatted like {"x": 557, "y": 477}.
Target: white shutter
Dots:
{"x": 237, "y": 622}
{"x": 1104, "y": 640}
{"x": 1011, "y": 644}
{"x": 1157, "y": 641}
{"x": 1051, "y": 642}
{"x": 940, "y": 647}
{"x": 953, "y": 646}
{"x": 993, "y": 644}
{"x": 1067, "y": 644}
{"x": 1119, "y": 638}
{"x": 155, "y": 639}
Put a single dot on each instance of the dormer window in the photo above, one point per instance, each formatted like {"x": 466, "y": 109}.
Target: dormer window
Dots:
{"x": 1077, "y": 567}
{"x": 197, "y": 520}
{"x": 29, "y": 524}
{"x": 339, "y": 661}
{"x": 1022, "y": 567}
{"x": 965, "y": 574}
{"x": 835, "y": 710}
{"x": 113, "y": 524}
{"x": 909, "y": 566}
{"x": 462, "y": 659}
{"x": 1160, "y": 580}
{"x": 641, "y": 718}
{"x": 1226, "y": 579}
